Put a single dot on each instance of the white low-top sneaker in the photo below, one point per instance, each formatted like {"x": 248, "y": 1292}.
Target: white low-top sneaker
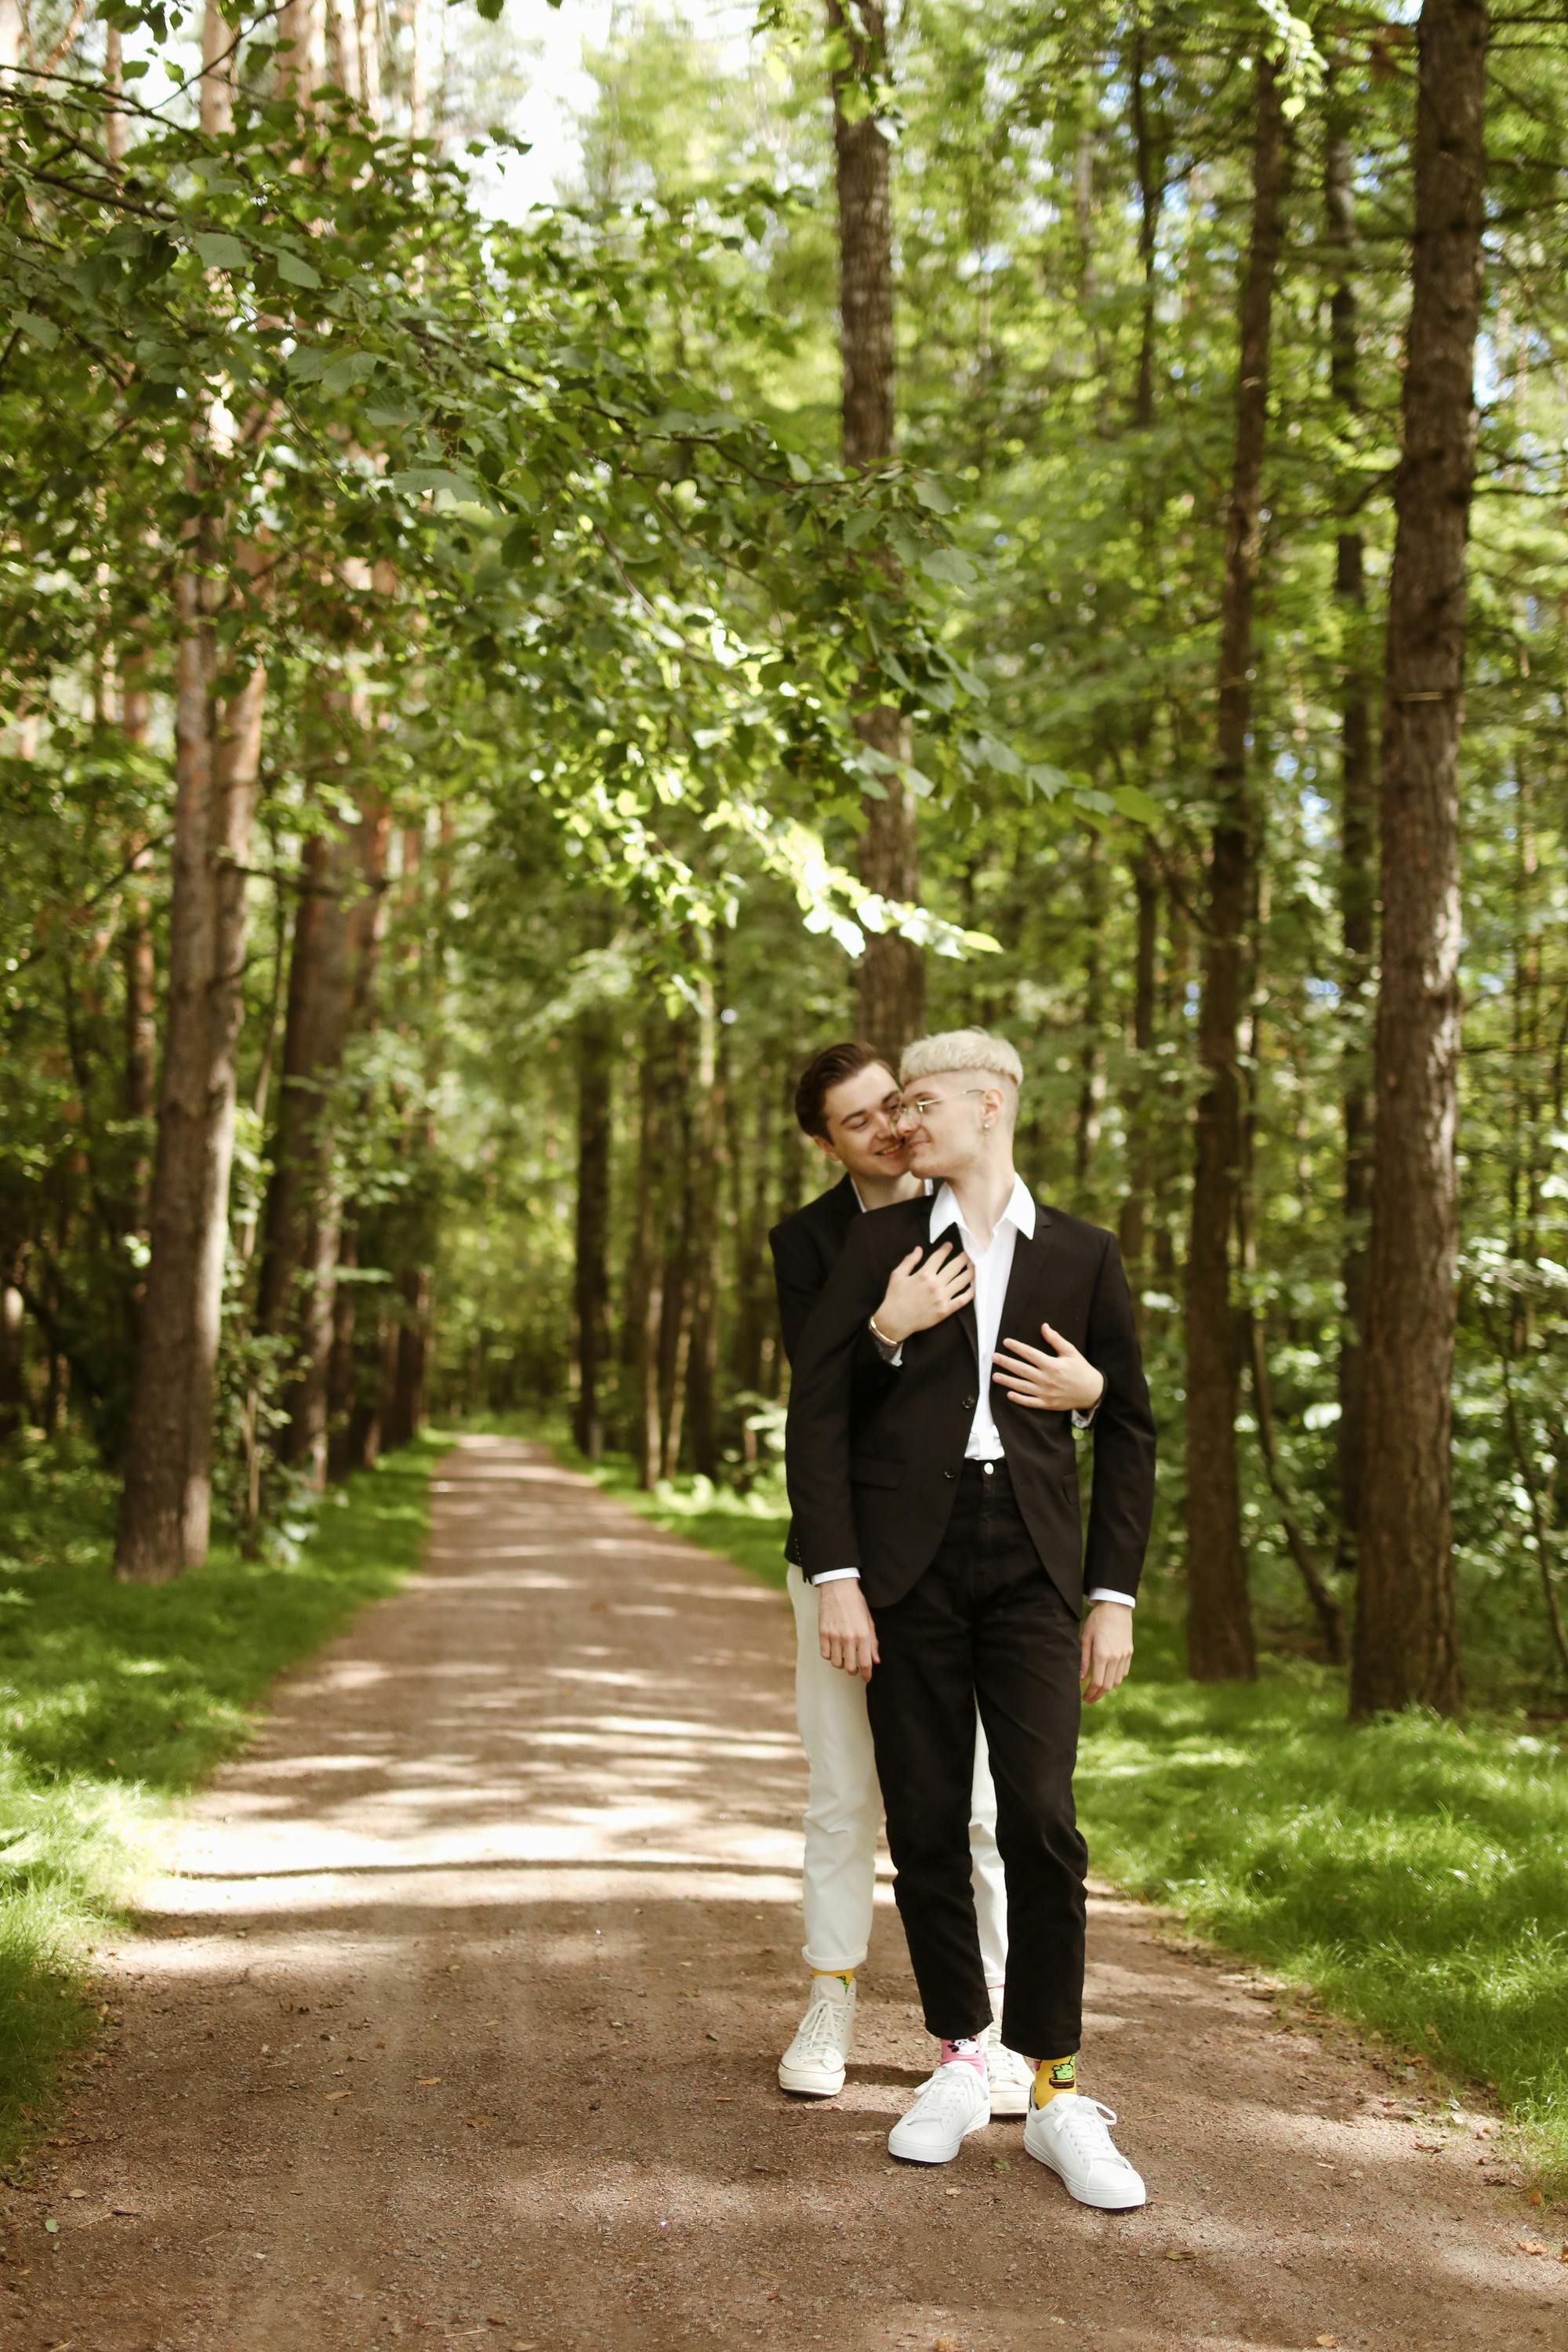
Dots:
{"x": 1011, "y": 2077}
{"x": 813, "y": 2066}
{"x": 1072, "y": 2134}
{"x": 954, "y": 2103}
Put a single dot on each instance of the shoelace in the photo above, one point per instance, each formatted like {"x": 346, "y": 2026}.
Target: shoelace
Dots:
{"x": 944, "y": 2089}
{"x": 817, "y": 2030}
{"x": 1087, "y": 2123}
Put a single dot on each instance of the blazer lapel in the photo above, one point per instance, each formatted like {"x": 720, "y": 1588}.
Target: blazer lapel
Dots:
{"x": 1032, "y": 1255}
{"x": 965, "y": 1315}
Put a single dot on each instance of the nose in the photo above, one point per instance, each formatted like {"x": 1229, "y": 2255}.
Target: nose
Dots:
{"x": 904, "y": 1117}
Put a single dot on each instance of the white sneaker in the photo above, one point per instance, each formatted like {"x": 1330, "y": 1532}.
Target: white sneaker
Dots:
{"x": 1070, "y": 2134}
{"x": 954, "y": 2103}
{"x": 813, "y": 2066}
{"x": 1011, "y": 2077}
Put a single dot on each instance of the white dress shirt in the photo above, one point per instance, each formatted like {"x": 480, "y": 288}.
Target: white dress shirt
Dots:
{"x": 993, "y": 1270}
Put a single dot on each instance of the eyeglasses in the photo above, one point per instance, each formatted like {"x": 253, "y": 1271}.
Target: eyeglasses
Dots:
{"x": 919, "y": 1106}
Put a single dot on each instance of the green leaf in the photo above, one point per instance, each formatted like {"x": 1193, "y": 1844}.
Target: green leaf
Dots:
{"x": 1134, "y": 802}
{"x": 414, "y": 480}
{"x": 39, "y": 331}
{"x": 292, "y": 270}
{"x": 934, "y": 494}
{"x": 352, "y": 368}
{"x": 523, "y": 486}
{"x": 220, "y": 252}
{"x": 946, "y": 565}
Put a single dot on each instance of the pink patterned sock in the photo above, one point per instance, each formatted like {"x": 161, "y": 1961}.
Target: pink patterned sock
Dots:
{"x": 966, "y": 2051}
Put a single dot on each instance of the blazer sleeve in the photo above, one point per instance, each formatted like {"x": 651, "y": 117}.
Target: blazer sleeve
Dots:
{"x": 797, "y": 1277}
{"x": 1122, "y": 1506}
{"x": 822, "y": 1386}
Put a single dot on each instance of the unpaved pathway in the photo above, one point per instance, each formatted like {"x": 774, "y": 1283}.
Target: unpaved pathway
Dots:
{"x": 457, "y": 2025}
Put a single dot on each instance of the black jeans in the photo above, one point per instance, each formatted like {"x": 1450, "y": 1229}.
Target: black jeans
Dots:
{"x": 986, "y": 1624}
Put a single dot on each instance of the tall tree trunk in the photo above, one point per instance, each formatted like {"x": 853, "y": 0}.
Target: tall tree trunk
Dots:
{"x": 1092, "y": 1054}
{"x": 591, "y": 1277}
{"x": 139, "y": 979}
{"x": 1358, "y": 881}
{"x": 707, "y": 1216}
{"x": 1405, "y": 1650}
{"x": 1143, "y": 1128}
{"x": 13, "y": 1393}
{"x": 165, "y": 1507}
{"x": 1219, "y": 1621}
{"x": 301, "y": 1210}
{"x": 645, "y": 1285}
{"x": 892, "y": 970}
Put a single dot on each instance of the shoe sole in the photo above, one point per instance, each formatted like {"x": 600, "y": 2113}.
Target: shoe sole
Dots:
{"x": 812, "y": 2085}
{"x": 1007, "y": 2106}
{"x": 1096, "y": 2204}
{"x": 978, "y": 2125}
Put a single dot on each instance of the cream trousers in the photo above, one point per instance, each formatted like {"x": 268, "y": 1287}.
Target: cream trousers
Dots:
{"x": 844, "y": 1813}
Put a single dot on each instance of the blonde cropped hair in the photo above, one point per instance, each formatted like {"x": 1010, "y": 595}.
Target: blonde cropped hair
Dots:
{"x": 960, "y": 1049}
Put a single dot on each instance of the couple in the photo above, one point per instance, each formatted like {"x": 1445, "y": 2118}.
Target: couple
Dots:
{"x": 948, "y": 1334}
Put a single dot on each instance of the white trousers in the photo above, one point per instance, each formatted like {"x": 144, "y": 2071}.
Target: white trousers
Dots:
{"x": 844, "y": 1813}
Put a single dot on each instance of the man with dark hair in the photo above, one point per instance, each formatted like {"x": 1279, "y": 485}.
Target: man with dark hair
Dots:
{"x": 846, "y": 1102}
{"x": 938, "y": 1514}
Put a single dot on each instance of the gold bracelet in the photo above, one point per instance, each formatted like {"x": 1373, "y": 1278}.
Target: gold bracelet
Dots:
{"x": 877, "y": 1334}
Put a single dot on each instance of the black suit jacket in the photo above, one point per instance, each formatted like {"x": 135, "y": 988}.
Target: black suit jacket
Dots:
{"x": 872, "y": 1474}
{"x": 806, "y": 1247}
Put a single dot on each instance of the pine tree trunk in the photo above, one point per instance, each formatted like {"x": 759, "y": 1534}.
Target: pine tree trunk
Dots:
{"x": 1219, "y": 1622}
{"x": 299, "y": 1226}
{"x": 13, "y": 1394}
{"x": 1134, "y": 1223}
{"x": 1091, "y": 1058}
{"x": 892, "y": 970}
{"x": 1358, "y": 881}
{"x": 591, "y": 1279}
{"x": 1406, "y": 1649}
{"x": 140, "y": 977}
{"x": 165, "y": 1507}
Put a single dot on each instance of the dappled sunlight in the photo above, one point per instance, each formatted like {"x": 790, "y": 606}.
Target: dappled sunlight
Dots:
{"x": 499, "y": 1921}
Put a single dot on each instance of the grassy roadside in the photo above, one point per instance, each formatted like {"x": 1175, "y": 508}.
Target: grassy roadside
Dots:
{"x": 115, "y": 1699}
{"x": 1413, "y": 1872}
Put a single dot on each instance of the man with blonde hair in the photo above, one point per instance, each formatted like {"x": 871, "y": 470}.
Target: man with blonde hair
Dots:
{"x": 938, "y": 1514}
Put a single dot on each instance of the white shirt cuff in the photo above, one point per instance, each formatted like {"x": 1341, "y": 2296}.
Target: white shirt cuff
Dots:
{"x": 1103, "y": 1592}
{"x": 836, "y": 1575}
{"x": 1082, "y": 1420}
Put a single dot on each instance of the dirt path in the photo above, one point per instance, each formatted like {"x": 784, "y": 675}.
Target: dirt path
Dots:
{"x": 457, "y": 2025}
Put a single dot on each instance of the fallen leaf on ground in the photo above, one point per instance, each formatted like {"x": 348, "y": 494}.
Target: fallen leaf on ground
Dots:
{"x": 1525, "y": 2245}
{"x": 1180, "y": 2254}
{"x": 425, "y": 2081}
{"x": 338, "y": 2094}
{"x": 1328, "y": 2342}
{"x": 946, "y": 2344}
{"x": 479, "y": 2123}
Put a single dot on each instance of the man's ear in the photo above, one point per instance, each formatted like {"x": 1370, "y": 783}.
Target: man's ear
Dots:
{"x": 822, "y": 1145}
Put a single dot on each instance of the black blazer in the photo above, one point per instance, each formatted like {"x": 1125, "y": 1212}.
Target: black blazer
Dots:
{"x": 872, "y": 1474}
{"x": 806, "y": 1247}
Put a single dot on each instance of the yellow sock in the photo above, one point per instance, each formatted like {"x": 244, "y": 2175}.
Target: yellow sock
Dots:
{"x": 846, "y": 1976}
{"x": 1053, "y": 2075}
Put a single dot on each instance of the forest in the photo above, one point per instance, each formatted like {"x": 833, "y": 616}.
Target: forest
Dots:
{"x": 1037, "y": 518}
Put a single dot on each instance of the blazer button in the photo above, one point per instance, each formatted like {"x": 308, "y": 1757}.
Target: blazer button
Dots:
{"x": 968, "y": 1403}
{"x": 950, "y": 1474}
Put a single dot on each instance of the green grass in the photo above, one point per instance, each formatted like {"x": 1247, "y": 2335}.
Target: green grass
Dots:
{"x": 1411, "y": 1873}
{"x": 115, "y": 1698}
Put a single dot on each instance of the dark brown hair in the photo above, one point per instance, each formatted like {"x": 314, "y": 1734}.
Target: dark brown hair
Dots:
{"x": 829, "y": 1069}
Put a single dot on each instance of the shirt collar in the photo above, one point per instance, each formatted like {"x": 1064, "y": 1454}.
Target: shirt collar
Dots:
{"x": 1019, "y": 1211}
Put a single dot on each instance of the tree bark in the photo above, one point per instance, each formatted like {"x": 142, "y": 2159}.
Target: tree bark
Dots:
{"x": 139, "y": 972}
{"x": 1133, "y": 1222}
{"x": 1358, "y": 830}
{"x": 590, "y": 1279}
{"x": 1219, "y": 1624}
{"x": 13, "y": 1394}
{"x": 166, "y": 1503}
{"x": 1405, "y": 1650}
{"x": 891, "y": 1008}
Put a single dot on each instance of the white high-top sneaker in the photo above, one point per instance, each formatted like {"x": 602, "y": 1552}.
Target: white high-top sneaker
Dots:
{"x": 946, "y": 2109}
{"x": 813, "y": 2066}
{"x": 1010, "y": 2076}
{"x": 1071, "y": 2135}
